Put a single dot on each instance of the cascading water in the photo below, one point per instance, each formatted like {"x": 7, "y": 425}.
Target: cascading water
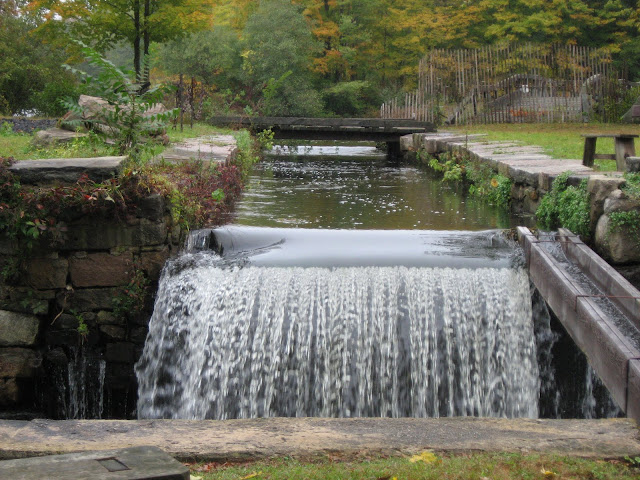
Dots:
{"x": 247, "y": 335}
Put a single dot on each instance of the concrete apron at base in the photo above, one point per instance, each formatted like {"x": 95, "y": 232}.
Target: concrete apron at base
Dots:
{"x": 613, "y": 357}
{"x": 193, "y": 440}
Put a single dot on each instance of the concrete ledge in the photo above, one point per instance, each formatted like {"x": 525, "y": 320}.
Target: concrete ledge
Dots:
{"x": 624, "y": 295}
{"x": 66, "y": 170}
{"x": 191, "y": 440}
{"x": 608, "y": 350}
{"x": 139, "y": 463}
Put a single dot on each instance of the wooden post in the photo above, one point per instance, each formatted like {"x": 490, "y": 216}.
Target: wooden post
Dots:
{"x": 589, "y": 151}
{"x": 625, "y": 147}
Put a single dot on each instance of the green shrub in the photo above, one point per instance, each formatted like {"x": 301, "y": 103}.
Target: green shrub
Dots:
{"x": 565, "y": 206}
{"x": 352, "y": 99}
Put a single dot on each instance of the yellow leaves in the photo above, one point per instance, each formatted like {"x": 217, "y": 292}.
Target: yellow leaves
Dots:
{"x": 251, "y": 475}
{"x": 427, "y": 457}
{"x": 548, "y": 473}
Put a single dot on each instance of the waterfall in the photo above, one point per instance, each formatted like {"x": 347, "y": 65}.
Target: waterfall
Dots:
{"x": 242, "y": 341}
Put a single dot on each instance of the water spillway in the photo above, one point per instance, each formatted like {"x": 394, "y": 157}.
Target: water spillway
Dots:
{"x": 273, "y": 322}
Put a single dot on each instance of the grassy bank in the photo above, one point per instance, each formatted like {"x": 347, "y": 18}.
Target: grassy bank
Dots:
{"x": 496, "y": 466}
{"x": 560, "y": 140}
{"x": 19, "y": 145}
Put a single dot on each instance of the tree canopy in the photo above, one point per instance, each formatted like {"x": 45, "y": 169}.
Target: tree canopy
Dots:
{"x": 326, "y": 54}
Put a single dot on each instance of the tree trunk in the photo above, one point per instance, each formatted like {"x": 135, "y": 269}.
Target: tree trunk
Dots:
{"x": 146, "y": 41}
{"x": 136, "y": 39}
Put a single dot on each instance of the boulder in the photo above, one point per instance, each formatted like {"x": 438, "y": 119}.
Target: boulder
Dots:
{"x": 620, "y": 245}
{"x": 94, "y": 108}
{"x": 19, "y": 362}
{"x": 18, "y": 329}
{"x": 54, "y": 136}
{"x": 618, "y": 201}
{"x": 599, "y": 188}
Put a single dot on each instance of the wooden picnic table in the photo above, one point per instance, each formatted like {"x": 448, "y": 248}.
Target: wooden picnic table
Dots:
{"x": 624, "y": 147}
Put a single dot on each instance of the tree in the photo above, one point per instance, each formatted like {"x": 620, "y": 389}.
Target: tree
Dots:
{"x": 102, "y": 24}
{"x": 277, "y": 59}
{"x": 31, "y": 73}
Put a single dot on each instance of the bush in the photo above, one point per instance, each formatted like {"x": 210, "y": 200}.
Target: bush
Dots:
{"x": 351, "y": 99}
{"x": 125, "y": 118}
{"x": 566, "y": 206}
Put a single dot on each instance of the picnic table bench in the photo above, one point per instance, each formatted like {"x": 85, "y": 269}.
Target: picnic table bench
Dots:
{"x": 624, "y": 147}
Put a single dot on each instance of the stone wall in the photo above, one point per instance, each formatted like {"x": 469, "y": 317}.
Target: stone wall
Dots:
{"x": 532, "y": 172}
{"x": 81, "y": 280}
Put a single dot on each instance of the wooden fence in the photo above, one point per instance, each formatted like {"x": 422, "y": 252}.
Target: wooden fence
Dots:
{"x": 507, "y": 84}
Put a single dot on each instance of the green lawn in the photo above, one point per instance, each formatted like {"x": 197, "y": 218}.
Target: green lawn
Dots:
{"x": 559, "y": 140}
{"x": 497, "y": 466}
{"x": 18, "y": 145}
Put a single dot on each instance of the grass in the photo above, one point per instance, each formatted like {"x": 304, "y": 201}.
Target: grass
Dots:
{"x": 18, "y": 145}
{"x": 198, "y": 130}
{"x": 494, "y": 466}
{"x": 559, "y": 140}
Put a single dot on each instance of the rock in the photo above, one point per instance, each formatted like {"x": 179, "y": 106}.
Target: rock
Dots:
{"x": 101, "y": 270}
{"x": 618, "y": 246}
{"x": 108, "y": 318}
{"x": 47, "y": 273}
{"x": 9, "y": 392}
{"x": 113, "y": 333}
{"x": 153, "y": 262}
{"x": 106, "y": 235}
{"x": 85, "y": 300}
{"x": 17, "y": 329}
{"x": 599, "y": 188}
{"x": 618, "y": 201}
{"x": 120, "y": 352}
{"x": 53, "y": 136}
{"x": 94, "y": 110}
{"x": 19, "y": 362}
{"x": 65, "y": 322}
{"x": 633, "y": 164}
{"x": 66, "y": 170}
{"x": 151, "y": 207}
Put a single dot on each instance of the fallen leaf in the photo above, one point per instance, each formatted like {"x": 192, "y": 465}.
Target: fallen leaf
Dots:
{"x": 547, "y": 473}
{"x": 251, "y": 475}
{"x": 427, "y": 457}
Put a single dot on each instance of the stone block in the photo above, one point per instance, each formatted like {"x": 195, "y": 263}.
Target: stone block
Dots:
{"x": 101, "y": 270}
{"x": 108, "y": 318}
{"x": 151, "y": 207}
{"x": 86, "y": 300}
{"x": 113, "y": 333}
{"x": 47, "y": 273}
{"x": 105, "y": 235}
{"x": 140, "y": 463}
{"x": 66, "y": 170}
{"x": 153, "y": 262}
{"x": 121, "y": 352}
{"x": 139, "y": 335}
{"x": 19, "y": 362}
{"x": 65, "y": 322}
{"x": 68, "y": 338}
{"x": 9, "y": 392}
{"x": 18, "y": 329}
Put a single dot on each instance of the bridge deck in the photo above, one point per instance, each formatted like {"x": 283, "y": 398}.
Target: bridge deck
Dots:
{"x": 373, "y": 129}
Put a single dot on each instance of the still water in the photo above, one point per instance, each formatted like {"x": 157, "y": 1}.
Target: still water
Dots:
{"x": 356, "y": 187}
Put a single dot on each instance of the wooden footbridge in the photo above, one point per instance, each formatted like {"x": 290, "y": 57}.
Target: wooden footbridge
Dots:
{"x": 358, "y": 129}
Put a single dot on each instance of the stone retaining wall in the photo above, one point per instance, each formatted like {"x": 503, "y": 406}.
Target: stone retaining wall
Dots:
{"x": 74, "y": 319}
{"x": 532, "y": 172}
{"x": 82, "y": 280}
